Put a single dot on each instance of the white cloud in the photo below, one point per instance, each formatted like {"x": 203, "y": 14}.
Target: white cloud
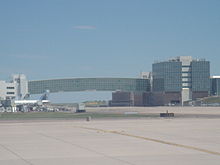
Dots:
{"x": 85, "y": 27}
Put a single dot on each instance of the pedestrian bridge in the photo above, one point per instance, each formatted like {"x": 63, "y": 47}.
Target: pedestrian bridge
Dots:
{"x": 88, "y": 84}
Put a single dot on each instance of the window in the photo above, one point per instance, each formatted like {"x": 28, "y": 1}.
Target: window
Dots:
{"x": 10, "y": 93}
{"x": 10, "y": 87}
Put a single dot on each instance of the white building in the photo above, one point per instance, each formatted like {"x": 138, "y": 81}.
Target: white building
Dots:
{"x": 7, "y": 90}
{"x": 145, "y": 75}
{"x": 16, "y": 89}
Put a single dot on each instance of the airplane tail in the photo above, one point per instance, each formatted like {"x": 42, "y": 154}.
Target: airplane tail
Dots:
{"x": 27, "y": 96}
{"x": 45, "y": 96}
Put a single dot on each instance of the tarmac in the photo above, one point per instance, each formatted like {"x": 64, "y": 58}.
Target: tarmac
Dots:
{"x": 155, "y": 141}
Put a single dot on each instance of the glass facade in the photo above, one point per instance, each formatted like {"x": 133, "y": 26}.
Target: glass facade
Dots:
{"x": 167, "y": 76}
{"x": 215, "y": 86}
{"x": 174, "y": 75}
{"x": 84, "y": 84}
{"x": 200, "y": 76}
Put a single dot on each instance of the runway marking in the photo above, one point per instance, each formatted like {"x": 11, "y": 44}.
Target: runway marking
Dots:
{"x": 14, "y": 153}
{"x": 153, "y": 140}
{"x": 85, "y": 148}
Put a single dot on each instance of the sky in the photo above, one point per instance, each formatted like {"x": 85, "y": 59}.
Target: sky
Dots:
{"x": 104, "y": 38}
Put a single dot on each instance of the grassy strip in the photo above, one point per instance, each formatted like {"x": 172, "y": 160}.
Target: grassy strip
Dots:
{"x": 65, "y": 115}
{"x": 211, "y": 100}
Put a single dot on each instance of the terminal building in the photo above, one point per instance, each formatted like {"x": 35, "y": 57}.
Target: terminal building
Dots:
{"x": 126, "y": 91}
{"x": 179, "y": 80}
{"x": 173, "y": 82}
{"x": 89, "y": 84}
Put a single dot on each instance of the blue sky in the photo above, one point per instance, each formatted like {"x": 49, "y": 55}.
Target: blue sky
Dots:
{"x": 104, "y": 38}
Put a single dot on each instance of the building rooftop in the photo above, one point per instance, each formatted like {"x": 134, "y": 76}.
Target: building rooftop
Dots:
{"x": 181, "y": 59}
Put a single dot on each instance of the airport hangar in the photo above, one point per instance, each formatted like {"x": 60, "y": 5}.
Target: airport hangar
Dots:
{"x": 128, "y": 91}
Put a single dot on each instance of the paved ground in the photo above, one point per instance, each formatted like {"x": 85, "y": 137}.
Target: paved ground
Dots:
{"x": 113, "y": 142}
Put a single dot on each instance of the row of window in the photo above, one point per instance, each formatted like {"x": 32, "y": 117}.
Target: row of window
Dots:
{"x": 84, "y": 84}
{"x": 10, "y": 87}
{"x": 10, "y": 93}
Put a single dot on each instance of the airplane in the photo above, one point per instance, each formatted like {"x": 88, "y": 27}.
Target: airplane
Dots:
{"x": 43, "y": 100}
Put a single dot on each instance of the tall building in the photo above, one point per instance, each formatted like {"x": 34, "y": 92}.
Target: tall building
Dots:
{"x": 200, "y": 78}
{"x": 179, "y": 80}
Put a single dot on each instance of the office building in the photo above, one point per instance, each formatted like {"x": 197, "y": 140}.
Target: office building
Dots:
{"x": 179, "y": 80}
